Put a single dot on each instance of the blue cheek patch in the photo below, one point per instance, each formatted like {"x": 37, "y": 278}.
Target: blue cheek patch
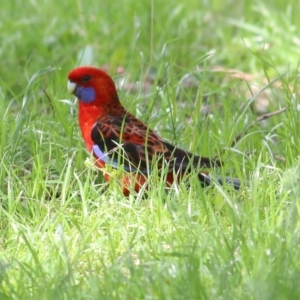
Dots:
{"x": 85, "y": 94}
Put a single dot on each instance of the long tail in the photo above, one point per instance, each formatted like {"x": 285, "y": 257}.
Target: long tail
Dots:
{"x": 207, "y": 180}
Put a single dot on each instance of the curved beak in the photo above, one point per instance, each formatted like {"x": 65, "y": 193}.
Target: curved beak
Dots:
{"x": 71, "y": 86}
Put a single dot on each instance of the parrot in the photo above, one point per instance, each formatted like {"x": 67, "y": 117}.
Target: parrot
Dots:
{"x": 118, "y": 139}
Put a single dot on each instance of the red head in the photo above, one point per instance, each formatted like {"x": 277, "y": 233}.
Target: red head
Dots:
{"x": 97, "y": 97}
{"x": 92, "y": 87}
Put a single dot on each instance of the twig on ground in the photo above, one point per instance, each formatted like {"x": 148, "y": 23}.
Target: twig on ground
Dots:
{"x": 50, "y": 101}
{"x": 259, "y": 119}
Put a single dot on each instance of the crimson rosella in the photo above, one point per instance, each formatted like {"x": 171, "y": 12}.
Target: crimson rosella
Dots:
{"x": 116, "y": 137}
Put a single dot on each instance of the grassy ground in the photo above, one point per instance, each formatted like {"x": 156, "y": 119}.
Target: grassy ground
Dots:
{"x": 63, "y": 237}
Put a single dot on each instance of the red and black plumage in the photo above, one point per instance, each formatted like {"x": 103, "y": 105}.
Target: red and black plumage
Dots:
{"x": 117, "y": 137}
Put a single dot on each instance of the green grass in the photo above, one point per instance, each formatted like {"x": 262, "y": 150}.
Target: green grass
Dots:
{"x": 64, "y": 236}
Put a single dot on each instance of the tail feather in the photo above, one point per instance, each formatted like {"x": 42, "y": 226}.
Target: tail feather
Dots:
{"x": 207, "y": 180}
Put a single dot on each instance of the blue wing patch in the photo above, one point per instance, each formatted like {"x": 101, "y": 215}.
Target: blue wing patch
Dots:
{"x": 100, "y": 154}
{"x": 114, "y": 163}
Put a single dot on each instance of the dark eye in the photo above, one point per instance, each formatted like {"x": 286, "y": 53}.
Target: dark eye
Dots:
{"x": 86, "y": 78}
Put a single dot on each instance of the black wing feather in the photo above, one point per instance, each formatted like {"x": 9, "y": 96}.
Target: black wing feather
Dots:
{"x": 128, "y": 141}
